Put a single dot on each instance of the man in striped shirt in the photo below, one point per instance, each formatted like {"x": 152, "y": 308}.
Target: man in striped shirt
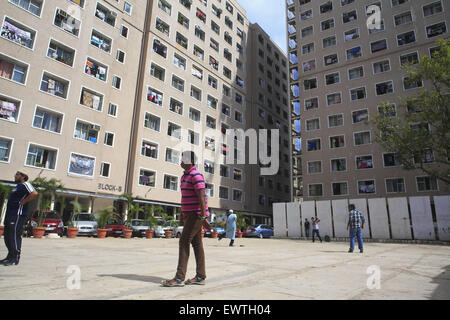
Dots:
{"x": 355, "y": 224}
{"x": 16, "y": 215}
{"x": 194, "y": 212}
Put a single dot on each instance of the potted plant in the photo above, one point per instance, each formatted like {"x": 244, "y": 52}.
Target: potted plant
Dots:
{"x": 241, "y": 224}
{"x": 72, "y": 226}
{"x": 103, "y": 216}
{"x": 167, "y": 222}
{"x": 133, "y": 212}
{"x": 152, "y": 222}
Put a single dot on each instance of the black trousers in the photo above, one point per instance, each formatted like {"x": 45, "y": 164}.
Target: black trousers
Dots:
{"x": 318, "y": 234}
{"x": 13, "y": 234}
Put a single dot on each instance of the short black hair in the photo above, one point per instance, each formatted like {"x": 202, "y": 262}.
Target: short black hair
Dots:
{"x": 351, "y": 206}
{"x": 191, "y": 155}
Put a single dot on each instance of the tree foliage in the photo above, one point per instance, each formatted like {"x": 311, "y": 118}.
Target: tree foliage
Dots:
{"x": 419, "y": 134}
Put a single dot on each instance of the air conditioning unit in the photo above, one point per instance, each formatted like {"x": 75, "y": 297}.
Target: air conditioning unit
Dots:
{"x": 95, "y": 127}
{"x": 62, "y": 13}
{"x": 113, "y": 14}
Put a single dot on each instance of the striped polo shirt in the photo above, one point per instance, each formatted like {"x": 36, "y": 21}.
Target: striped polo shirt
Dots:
{"x": 190, "y": 181}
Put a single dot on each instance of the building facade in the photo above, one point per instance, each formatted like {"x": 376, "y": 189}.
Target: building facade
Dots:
{"x": 341, "y": 70}
{"x": 106, "y": 100}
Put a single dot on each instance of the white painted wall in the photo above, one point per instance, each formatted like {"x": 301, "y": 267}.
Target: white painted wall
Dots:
{"x": 293, "y": 219}
{"x": 379, "y": 223}
{"x": 399, "y": 215}
{"x": 324, "y": 214}
{"x": 422, "y": 220}
{"x": 340, "y": 217}
{"x": 308, "y": 210}
{"x": 279, "y": 220}
{"x": 442, "y": 206}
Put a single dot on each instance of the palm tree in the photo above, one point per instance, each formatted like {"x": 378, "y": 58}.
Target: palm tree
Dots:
{"x": 5, "y": 191}
{"x": 47, "y": 192}
{"x": 133, "y": 209}
{"x": 105, "y": 215}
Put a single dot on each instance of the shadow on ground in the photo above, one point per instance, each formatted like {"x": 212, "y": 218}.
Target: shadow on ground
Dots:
{"x": 442, "y": 292}
{"x": 134, "y": 277}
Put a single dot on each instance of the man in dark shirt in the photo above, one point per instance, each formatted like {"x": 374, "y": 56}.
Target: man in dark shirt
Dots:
{"x": 16, "y": 215}
{"x": 307, "y": 227}
{"x": 355, "y": 224}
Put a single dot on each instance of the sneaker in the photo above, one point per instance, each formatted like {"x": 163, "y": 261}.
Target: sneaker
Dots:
{"x": 350, "y": 251}
{"x": 361, "y": 251}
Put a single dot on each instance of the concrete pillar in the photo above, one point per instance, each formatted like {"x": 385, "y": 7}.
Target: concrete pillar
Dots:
{"x": 52, "y": 203}
{"x": 2, "y": 214}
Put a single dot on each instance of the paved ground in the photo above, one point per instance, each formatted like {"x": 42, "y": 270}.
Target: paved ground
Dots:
{"x": 267, "y": 269}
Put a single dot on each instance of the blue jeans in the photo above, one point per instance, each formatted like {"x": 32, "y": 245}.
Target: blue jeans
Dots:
{"x": 356, "y": 232}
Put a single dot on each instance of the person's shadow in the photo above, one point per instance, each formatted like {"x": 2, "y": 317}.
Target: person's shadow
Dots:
{"x": 134, "y": 277}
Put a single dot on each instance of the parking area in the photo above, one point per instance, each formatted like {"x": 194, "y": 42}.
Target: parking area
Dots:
{"x": 260, "y": 269}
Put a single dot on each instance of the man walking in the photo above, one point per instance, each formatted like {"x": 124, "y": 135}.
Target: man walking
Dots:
{"x": 315, "y": 224}
{"x": 194, "y": 212}
{"x": 307, "y": 227}
{"x": 355, "y": 224}
{"x": 16, "y": 215}
{"x": 230, "y": 227}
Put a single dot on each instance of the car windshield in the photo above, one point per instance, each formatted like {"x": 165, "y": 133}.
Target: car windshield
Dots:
{"x": 52, "y": 215}
{"x": 139, "y": 223}
{"x": 84, "y": 217}
{"x": 252, "y": 227}
{"x": 114, "y": 222}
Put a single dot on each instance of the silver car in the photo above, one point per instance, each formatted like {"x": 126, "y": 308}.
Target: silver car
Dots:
{"x": 86, "y": 224}
{"x": 139, "y": 227}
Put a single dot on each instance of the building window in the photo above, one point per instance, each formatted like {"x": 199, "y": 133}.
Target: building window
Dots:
{"x": 18, "y": 33}
{"x": 86, "y": 131}
{"x": 351, "y": 34}
{"x": 147, "y": 178}
{"x": 313, "y": 145}
{"x": 210, "y": 144}
{"x": 162, "y": 26}
{"x": 398, "y": 2}
{"x": 402, "y": 18}
{"x": 391, "y": 160}
{"x": 335, "y": 120}
{"x": 172, "y": 156}
{"x": 112, "y": 109}
{"x": 194, "y": 115}
{"x": 174, "y": 130}
{"x": 210, "y": 122}
{"x": 329, "y": 42}
{"x": 354, "y": 53}
{"x": 314, "y": 167}
{"x": 9, "y": 108}
{"x": 334, "y": 98}
{"x": 326, "y": 7}
{"x": 433, "y": 8}
{"x": 193, "y": 137}
{"x": 170, "y": 182}
{"x": 426, "y": 184}
{"x": 237, "y": 195}
{"x": 196, "y": 93}
{"x": 212, "y": 102}
{"x": 223, "y": 193}
{"x": 410, "y": 58}
{"x": 41, "y": 157}
{"x": 91, "y": 99}
{"x": 159, "y": 48}
{"x": 109, "y": 139}
{"x": 362, "y": 138}
{"x": 395, "y": 185}
{"x": 384, "y": 88}
{"x": 364, "y": 162}
{"x": 54, "y": 85}
{"x": 337, "y": 142}
{"x": 66, "y": 22}
{"x": 95, "y": 69}
{"x": 12, "y": 70}
{"x": 360, "y": 116}
{"x": 209, "y": 190}
{"x": 165, "y": 6}
{"x": 179, "y": 61}
{"x": 366, "y": 187}
{"x": 349, "y": 16}
{"x": 436, "y": 29}
{"x": 355, "y": 73}
{"x": 313, "y": 124}
{"x": 47, "y": 120}
{"x": 406, "y": 38}
{"x": 61, "y": 53}
{"x": 81, "y": 165}
{"x": 127, "y": 7}
{"x": 378, "y": 45}
{"x": 330, "y": 59}
{"x": 181, "y": 40}
{"x": 5, "y": 149}
{"x": 176, "y": 106}
{"x": 339, "y": 188}
{"x": 332, "y": 78}
{"x": 312, "y": 103}
{"x": 152, "y": 122}
{"x": 408, "y": 84}
{"x": 32, "y": 6}
{"x": 155, "y": 96}
{"x": 105, "y": 14}
{"x": 157, "y": 72}
{"x": 149, "y": 149}
{"x": 338, "y": 165}
{"x": 101, "y": 41}
{"x": 105, "y": 169}
{"x": 327, "y": 24}
{"x": 357, "y": 94}
{"x": 178, "y": 83}
{"x": 124, "y": 31}
{"x": 208, "y": 166}
{"x": 381, "y": 66}
{"x": 315, "y": 190}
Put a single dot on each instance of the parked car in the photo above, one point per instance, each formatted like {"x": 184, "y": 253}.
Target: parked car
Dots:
{"x": 115, "y": 228}
{"x": 139, "y": 227}
{"x": 53, "y": 223}
{"x": 161, "y": 228}
{"x": 86, "y": 224}
{"x": 178, "y": 231}
{"x": 216, "y": 226}
{"x": 259, "y": 230}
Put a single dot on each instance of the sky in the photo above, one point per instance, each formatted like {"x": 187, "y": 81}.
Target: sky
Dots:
{"x": 270, "y": 15}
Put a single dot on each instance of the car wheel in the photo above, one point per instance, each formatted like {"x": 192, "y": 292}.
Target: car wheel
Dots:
{"x": 261, "y": 236}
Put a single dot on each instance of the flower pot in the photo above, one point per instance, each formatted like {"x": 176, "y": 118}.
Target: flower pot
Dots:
{"x": 127, "y": 233}
{"x": 203, "y": 234}
{"x": 168, "y": 233}
{"x": 101, "y": 233}
{"x": 214, "y": 234}
{"x": 38, "y": 232}
{"x": 2, "y": 228}
{"x": 149, "y": 234}
{"x": 239, "y": 234}
{"x": 72, "y": 232}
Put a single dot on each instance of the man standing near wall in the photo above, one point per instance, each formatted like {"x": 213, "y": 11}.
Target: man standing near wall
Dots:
{"x": 355, "y": 224}
{"x": 307, "y": 228}
{"x": 315, "y": 225}
{"x": 16, "y": 215}
{"x": 194, "y": 212}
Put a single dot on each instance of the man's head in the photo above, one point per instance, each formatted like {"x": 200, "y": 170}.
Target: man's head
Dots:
{"x": 20, "y": 176}
{"x": 188, "y": 159}
{"x": 351, "y": 207}
{"x": 306, "y": 219}
{"x": 229, "y": 212}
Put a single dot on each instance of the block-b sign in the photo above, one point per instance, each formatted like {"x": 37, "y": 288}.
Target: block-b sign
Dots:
{"x": 74, "y": 280}
{"x": 374, "y": 280}
{"x": 374, "y": 19}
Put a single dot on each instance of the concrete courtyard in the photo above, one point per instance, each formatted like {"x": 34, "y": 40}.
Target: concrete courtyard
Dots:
{"x": 259, "y": 269}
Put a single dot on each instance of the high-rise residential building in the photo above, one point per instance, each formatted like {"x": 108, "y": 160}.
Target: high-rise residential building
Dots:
{"x": 103, "y": 95}
{"x": 345, "y": 59}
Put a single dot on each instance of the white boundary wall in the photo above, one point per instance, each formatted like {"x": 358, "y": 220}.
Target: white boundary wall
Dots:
{"x": 399, "y": 218}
